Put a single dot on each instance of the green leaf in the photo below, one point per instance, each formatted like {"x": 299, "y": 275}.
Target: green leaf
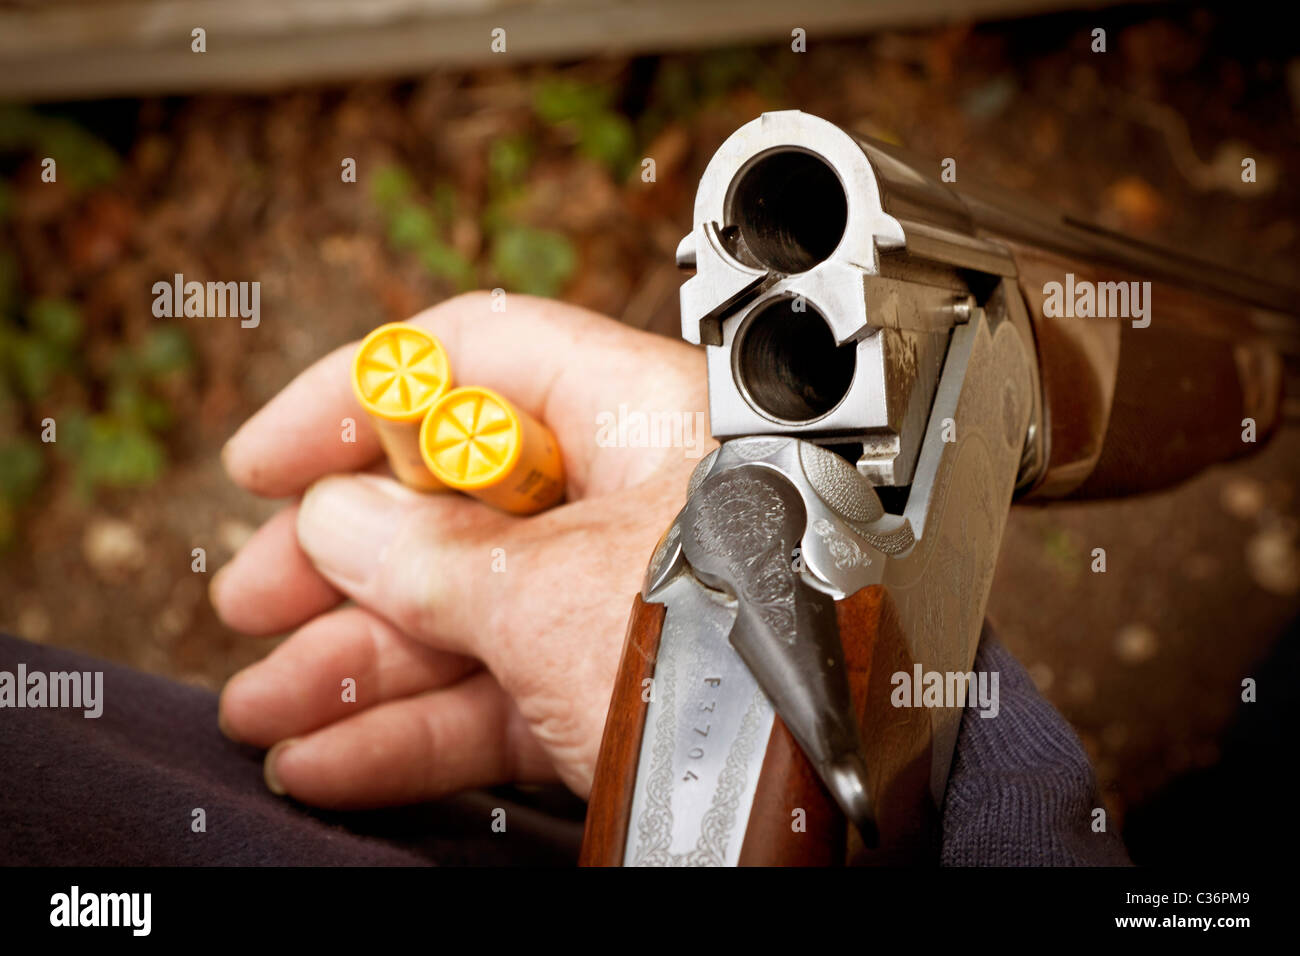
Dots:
{"x": 56, "y": 321}
{"x": 165, "y": 349}
{"x": 19, "y": 127}
{"x": 608, "y": 139}
{"x": 133, "y": 405}
{"x": 442, "y": 260}
{"x": 21, "y": 468}
{"x": 411, "y": 227}
{"x": 390, "y": 187}
{"x": 603, "y": 135}
{"x": 508, "y": 160}
{"x": 533, "y": 261}
{"x": 444, "y": 204}
{"x": 156, "y": 414}
{"x": 119, "y": 455}
{"x": 566, "y": 100}
{"x": 74, "y": 434}
{"x": 36, "y": 364}
{"x": 84, "y": 162}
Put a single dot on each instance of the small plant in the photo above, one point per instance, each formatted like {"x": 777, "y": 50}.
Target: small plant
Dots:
{"x": 524, "y": 258}
{"x": 602, "y": 133}
{"x": 84, "y": 162}
{"x": 682, "y": 86}
{"x": 107, "y": 424}
{"x": 418, "y": 227}
{"x": 104, "y": 419}
{"x": 120, "y": 445}
{"x": 533, "y": 261}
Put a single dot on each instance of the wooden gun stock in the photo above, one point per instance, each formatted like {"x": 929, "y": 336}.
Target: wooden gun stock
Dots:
{"x": 1136, "y": 409}
{"x": 896, "y": 742}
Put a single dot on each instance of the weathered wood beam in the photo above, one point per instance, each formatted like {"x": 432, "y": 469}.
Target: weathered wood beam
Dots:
{"x": 59, "y": 49}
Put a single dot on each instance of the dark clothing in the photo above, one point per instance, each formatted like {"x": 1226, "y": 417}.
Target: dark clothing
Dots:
{"x": 122, "y": 789}
{"x": 1021, "y": 791}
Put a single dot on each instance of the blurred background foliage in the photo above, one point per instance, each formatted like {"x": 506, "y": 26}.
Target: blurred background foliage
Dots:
{"x": 587, "y": 114}
{"x": 110, "y": 387}
{"x": 105, "y": 417}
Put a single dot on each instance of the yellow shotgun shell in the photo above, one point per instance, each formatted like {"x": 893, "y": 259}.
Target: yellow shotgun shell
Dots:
{"x": 398, "y": 374}
{"x": 475, "y": 441}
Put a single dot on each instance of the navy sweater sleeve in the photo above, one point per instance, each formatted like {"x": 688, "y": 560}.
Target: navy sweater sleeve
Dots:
{"x": 1021, "y": 790}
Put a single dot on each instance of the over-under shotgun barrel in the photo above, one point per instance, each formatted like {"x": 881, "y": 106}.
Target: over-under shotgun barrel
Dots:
{"x": 848, "y": 300}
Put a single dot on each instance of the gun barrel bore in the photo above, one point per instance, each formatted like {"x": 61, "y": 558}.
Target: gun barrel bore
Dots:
{"x": 398, "y": 374}
{"x": 787, "y": 365}
{"x": 477, "y": 442}
{"x": 790, "y": 208}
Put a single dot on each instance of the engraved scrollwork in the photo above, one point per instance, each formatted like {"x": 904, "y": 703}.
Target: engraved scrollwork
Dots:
{"x": 654, "y": 827}
{"x": 844, "y": 550}
{"x": 743, "y": 521}
{"x": 720, "y": 819}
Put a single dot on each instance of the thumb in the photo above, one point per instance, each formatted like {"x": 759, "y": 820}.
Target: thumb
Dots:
{"x": 415, "y": 559}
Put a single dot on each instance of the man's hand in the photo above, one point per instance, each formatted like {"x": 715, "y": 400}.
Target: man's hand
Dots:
{"x": 465, "y": 676}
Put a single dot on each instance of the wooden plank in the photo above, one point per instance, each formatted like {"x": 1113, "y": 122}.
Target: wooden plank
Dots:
{"x": 83, "y": 49}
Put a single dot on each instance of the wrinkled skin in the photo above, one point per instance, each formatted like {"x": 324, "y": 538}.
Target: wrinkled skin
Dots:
{"x": 465, "y": 676}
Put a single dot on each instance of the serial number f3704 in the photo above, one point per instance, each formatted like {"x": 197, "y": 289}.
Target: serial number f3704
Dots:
{"x": 706, "y": 733}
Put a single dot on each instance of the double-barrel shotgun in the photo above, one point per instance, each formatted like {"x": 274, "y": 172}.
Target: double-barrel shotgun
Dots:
{"x": 892, "y": 360}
